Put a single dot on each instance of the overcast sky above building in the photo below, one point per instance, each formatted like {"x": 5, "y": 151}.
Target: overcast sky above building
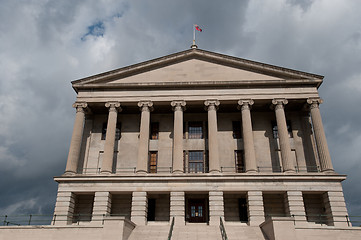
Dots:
{"x": 45, "y": 44}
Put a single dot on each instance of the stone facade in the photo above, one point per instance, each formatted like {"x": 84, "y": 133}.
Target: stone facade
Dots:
{"x": 197, "y": 137}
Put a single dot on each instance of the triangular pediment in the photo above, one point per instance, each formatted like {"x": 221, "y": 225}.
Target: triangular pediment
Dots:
{"x": 196, "y": 67}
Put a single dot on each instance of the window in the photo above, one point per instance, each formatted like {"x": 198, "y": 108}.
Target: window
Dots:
{"x": 154, "y": 130}
{"x": 118, "y": 134}
{"x": 237, "y": 129}
{"x": 195, "y": 130}
{"x": 195, "y": 161}
{"x": 153, "y": 157}
{"x": 239, "y": 156}
{"x": 275, "y": 129}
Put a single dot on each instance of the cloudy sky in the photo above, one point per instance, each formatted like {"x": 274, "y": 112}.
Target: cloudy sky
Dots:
{"x": 45, "y": 44}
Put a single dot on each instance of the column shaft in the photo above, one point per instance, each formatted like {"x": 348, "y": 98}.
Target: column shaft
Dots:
{"x": 214, "y": 165}
{"x": 76, "y": 139}
{"x": 284, "y": 140}
{"x": 143, "y": 150}
{"x": 321, "y": 142}
{"x": 248, "y": 143}
{"x": 178, "y": 107}
{"x": 107, "y": 164}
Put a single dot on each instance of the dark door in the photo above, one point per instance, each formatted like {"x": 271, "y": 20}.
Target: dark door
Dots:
{"x": 243, "y": 211}
{"x": 151, "y": 209}
{"x": 197, "y": 210}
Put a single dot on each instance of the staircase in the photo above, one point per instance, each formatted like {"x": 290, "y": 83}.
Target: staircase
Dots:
{"x": 196, "y": 231}
{"x": 238, "y": 232}
{"x": 154, "y": 232}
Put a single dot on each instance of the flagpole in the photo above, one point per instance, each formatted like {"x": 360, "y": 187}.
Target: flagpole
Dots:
{"x": 194, "y": 34}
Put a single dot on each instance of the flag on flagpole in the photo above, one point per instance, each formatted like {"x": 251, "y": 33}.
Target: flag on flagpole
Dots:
{"x": 198, "y": 28}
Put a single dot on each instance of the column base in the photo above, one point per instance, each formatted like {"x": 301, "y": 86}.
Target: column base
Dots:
{"x": 214, "y": 171}
{"x": 106, "y": 172}
{"x": 141, "y": 172}
{"x": 69, "y": 173}
{"x": 178, "y": 171}
{"x": 251, "y": 171}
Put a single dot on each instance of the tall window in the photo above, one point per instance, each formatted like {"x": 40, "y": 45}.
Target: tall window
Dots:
{"x": 154, "y": 130}
{"x": 153, "y": 157}
{"x": 118, "y": 134}
{"x": 196, "y": 161}
{"x": 237, "y": 129}
{"x": 195, "y": 130}
{"x": 239, "y": 157}
{"x": 275, "y": 129}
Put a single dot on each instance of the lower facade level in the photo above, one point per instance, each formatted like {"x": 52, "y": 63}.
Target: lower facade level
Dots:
{"x": 247, "y": 200}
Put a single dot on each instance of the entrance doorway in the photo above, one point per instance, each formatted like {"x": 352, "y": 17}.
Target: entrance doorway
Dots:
{"x": 197, "y": 208}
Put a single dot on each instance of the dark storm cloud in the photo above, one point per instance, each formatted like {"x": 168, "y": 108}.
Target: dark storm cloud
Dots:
{"x": 42, "y": 50}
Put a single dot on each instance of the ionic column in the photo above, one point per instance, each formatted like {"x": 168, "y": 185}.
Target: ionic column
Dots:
{"x": 178, "y": 108}
{"x": 321, "y": 142}
{"x": 107, "y": 164}
{"x": 249, "y": 152}
{"x": 211, "y": 107}
{"x": 142, "y": 163}
{"x": 76, "y": 138}
{"x": 283, "y": 135}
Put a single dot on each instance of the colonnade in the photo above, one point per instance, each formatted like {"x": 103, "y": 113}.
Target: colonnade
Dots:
{"x": 211, "y": 106}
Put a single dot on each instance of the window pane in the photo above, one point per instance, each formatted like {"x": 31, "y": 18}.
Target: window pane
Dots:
{"x": 195, "y": 130}
{"x": 153, "y": 162}
{"x": 195, "y": 161}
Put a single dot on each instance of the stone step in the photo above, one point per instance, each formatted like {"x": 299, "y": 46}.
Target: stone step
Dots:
{"x": 244, "y": 233}
{"x": 155, "y": 232}
{"x": 196, "y": 232}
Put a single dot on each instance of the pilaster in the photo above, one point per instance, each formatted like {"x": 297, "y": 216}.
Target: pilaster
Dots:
{"x": 255, "y": 208}
{"x": 101, "y": 207}
{"x": 336, "y": 207}
{"x": 216, "y": 207}
{"x": 139, "y": 208}
{"x": 64, "y": 208}
{"x": 177, "y": 207}
{"x": 296, "y": 207}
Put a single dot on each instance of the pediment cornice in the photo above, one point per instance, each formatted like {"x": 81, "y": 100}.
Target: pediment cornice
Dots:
{"x": 104, "y": 80}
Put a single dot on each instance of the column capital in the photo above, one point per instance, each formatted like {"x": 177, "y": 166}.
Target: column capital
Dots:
{"x": 145, "y": 105}
{"x": 245, "y": 104}
{"x": 314, "y": 102}
{"x": 279, "y": 103}
{"x": 113, "y": 106}
{"x": 80, "y": 106}
{"x": 178, "y": 105}
{"x": 211, "y": 104}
